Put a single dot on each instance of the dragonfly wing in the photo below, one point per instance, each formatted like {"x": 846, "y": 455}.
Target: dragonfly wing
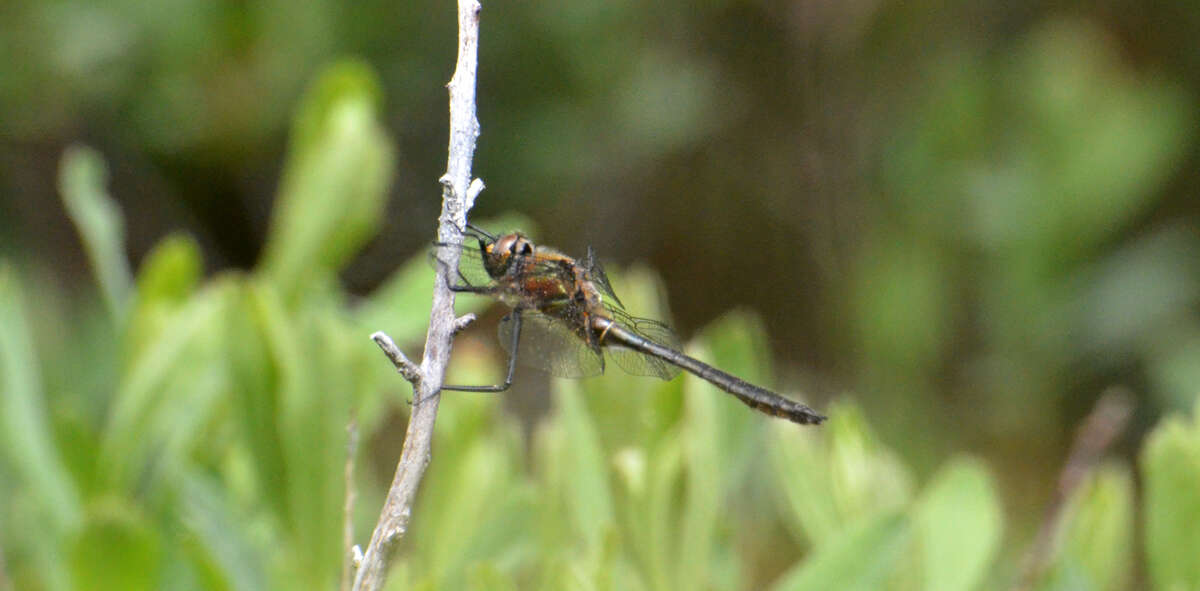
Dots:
{"x": 552, "y": 346}
{"x": 636, "y": 362}
{"x": 599, "y": 277}
{"x": 471, "y": 272}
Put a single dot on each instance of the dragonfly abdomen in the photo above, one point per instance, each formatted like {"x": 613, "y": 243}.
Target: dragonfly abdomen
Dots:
{"x": 760, "y": 399}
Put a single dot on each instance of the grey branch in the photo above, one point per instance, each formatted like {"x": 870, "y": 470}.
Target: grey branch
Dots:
{"x": 458, "y": 193}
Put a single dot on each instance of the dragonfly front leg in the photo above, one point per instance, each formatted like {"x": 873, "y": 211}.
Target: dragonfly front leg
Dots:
{"x": 512, "y": 361}
{"x": 451, "y": 274}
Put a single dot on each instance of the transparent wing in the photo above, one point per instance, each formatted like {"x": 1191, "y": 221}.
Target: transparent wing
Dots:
{"x": 470, "y": 264}
{"x": 551, "y": 346}
{"x": 638, "y": 363}
{"x": 599, "y": 277}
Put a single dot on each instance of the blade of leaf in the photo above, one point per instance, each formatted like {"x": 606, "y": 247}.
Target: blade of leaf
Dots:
{"x": 666, "y": 465}
{"x": 862, "y": 557}
{"x": 124, "y": 449}
{"x": 210, "y": 519}
{"x": 339, "y": 168}
{"x": 589, "y": 500}
{"x": 24, "y": 425}
{"x": 81, "y": 179}
{"x": 705, "y": 471}
{"x": 1099, "y": 526}
{"x": 172, "y": 270}
{"x": 314, "y": 385}
{"x": 958, "y": 524}
{"x": 118, "y": 549}
{"x": 255, "y": 374}
{"x": 1171, "y": 468}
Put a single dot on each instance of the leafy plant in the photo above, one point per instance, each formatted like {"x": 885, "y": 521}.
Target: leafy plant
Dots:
{"x": 191, "y": 433}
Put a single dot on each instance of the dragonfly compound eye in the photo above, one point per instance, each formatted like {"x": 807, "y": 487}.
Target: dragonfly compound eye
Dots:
{"x": 505, "y": 245}
{"x": 515, "y": 244}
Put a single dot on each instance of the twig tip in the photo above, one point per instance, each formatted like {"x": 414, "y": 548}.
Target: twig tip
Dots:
{"x": 408, "y": 369}
{"x": 462, "y": 322}
{"x": 473, "y": 191}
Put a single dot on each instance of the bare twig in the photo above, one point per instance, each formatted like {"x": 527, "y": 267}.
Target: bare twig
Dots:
{"x": 462, "y": 322}
{"x": 348, "y": 565}
{"x": 458, "y": 195}
{"x": 1099, "y": 429}
{"x": 408, "y": 369}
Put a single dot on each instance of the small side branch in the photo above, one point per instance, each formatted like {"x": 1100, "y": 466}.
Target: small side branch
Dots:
{"x": 1099, "y": 429}
{"x": 462, "y": 322}
{"x": 459, "y": 191}
{"x": 408, "y": 369}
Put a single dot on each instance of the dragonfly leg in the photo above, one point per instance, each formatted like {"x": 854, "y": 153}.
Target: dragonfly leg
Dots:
{"x": 466, "y": 287}
{"x": 480, "y": 231}
{"x": 470, "y": 289}
{"x": 512, "y": 362}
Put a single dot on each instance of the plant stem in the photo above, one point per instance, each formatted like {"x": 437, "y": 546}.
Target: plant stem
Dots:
{"x": 458, "y": 195}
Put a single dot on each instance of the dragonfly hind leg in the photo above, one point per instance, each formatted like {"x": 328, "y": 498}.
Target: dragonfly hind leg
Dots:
{"x": 512, "y": 362}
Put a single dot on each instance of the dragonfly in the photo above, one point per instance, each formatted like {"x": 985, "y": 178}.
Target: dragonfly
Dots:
{"x": 565, "y": 318}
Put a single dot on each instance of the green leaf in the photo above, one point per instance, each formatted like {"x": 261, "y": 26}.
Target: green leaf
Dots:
{"x": 1170, "y": 464}
{"x": 589, "y": 500}
{"x": 486, "y": 577}
{"x": 41, "y": 502}
{"x": 958, "y": 525}
{"x": 468, "y": 506}
{"x": 118, "y": 550}
{"x": 255, "y": 376}
{"x": 658, "y": 526}
{"x": 219, "y": 536}
{"x": 28, "y": 443}
{"x": 719, "y": 438}
{"x": 81, "y": 179}
{"x": 466, "y": 522}
{"x": 335, "y": 181}
{"x": 862, "y": 557}
{"x": 170, "y": 274}
{"x": 836, "y": 475}
{"x": 1097, "y": 532}
{"x": 704, "y": 448}
{"x": 312, "y": 357}
{"x": 177, "y": 368}
{"x": 171, "y": 271}
{"x": 736, "y": 343}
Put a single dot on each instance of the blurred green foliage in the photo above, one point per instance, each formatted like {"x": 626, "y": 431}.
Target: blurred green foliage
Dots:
{"x": 195, "y": 435}
{"x": 974, "y": 216}
{"x": 1009, "y": 184}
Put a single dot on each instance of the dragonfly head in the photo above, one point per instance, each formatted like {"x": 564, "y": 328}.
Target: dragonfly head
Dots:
{"x": 499, "y": 255}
